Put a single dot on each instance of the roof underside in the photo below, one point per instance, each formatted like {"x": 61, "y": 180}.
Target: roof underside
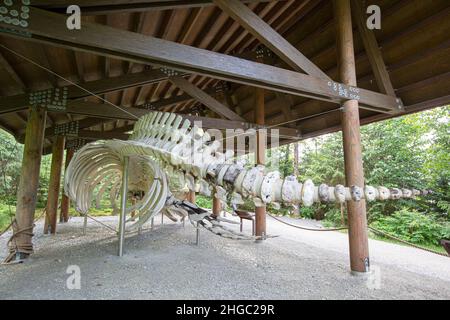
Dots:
{"x": 414, "y": 41}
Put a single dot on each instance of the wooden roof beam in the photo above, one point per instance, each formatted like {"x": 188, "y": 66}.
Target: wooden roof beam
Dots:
{"x": 101, "y": 7}
{"x": 101, "y": 135}
{"x": 12, "y": 73}
{"x": 372, "y": 50}
{"x": 98, "y": 110}
{"x": 82, "y": 124}
{"x": 50, "y": 27}
{"x": 421, "y": 106}
{"x": 269, "y": 37}
{"x": 77, "y": 92}
{"x": 205, "y": 98}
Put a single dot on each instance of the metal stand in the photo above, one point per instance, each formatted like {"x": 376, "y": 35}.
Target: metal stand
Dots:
{"x": 197, "y": 240}
{"x": 85, "y": 224}
{"x": 153, "y": 223}
{"x": 123, "y": 205}
{"x": 162, "y": 218}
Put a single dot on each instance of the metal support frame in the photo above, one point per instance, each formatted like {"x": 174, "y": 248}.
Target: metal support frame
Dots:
{"x": 123, "y": 205}
{"x": 85, "y": 224}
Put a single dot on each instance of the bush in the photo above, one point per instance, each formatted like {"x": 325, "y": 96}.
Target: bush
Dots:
{"x": 413, "y": 226}
{"x": 307, "y": 212}
{"x": 333, "y": 218}
{"x": 203, "y": 202}
{"x": 6, "y": 213}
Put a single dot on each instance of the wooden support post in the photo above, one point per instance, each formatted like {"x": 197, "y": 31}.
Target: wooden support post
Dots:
{"x": 260, "y": 212}
{"x": 21, "y": 244}
{"x": 217, "y": 207}
{"x": 123, "y": 205}
{"x": 54, "y": 185}
{"x": 65, "y": 201}
{"x": 357, "y": 221}
{"x": 296, "y": 159}
{"x": 191, "y": 197}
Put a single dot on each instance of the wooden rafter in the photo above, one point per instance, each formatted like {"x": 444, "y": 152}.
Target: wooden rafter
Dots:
{"x": 101, "y": 135}
{"x": 372, "y": 50}
{"x": 269, "y": 37}
{"x": 47, "y": 27}
{"x": 205, "y": 98}
{"x": 12, "y": 73}
{"x": 102, "y": 86}
{"x": 101, "y": 7}
{"x": 97, "y": 110}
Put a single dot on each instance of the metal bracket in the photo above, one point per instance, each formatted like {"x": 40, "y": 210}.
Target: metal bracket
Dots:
{"x": 401, "y": 106}
{"x": 16, "y": 14}
{"x": 170, "y": 72}
{"x": 53, "y": 99}
{"x": 263, "y": 52}
{"x": 148, "y": 106}
{"x": 75, "y": 144}
{"x": 222, "y": 87}
{"x": 67, "y": 129}
{"x": 344, "y": 91}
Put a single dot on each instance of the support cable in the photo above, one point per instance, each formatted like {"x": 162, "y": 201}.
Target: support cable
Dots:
{"x": 387, "y": 235}
{"x": 305, "y": 228}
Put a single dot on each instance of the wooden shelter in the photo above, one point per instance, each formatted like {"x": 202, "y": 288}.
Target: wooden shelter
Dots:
{"x": 299, "y": 65}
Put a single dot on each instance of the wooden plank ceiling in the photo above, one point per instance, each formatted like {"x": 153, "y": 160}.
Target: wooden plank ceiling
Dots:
{"x": 414, "y": 42}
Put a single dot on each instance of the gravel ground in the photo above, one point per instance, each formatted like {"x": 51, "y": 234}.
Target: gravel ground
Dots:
{"x": 166, "y": 264}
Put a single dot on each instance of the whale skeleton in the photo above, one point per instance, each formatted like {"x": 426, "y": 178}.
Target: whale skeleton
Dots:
{"x": 167, "y": 155}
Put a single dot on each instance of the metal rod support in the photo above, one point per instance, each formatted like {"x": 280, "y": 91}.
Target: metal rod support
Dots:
{"x": 197, "y": 239}
{"x": 123, "y": 205}
{"x": 85, "y": 224}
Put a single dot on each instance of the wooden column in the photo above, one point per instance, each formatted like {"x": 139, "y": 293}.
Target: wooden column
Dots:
{"x": 357, "y": 221}
{"x": 28, "y": 185}
{"x": 217, "y": 207}
{"x": 260, "y": 212}
{"x": 65, "y": 201}
{"x": 54, "y": 185}
{"x": 191, "y": 197}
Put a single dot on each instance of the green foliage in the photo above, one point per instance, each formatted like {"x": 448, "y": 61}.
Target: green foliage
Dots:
{"x": 412, "y": 151}
{"x": 307, "y": 212}
{"x": 333, "y": 218}
{"x": 323, "y": 160}
{"x": 6, "y": 214}
{"x": 203, "y": 202}
{"x": 10, "y": 165}
{"x": 413, "y": 226}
